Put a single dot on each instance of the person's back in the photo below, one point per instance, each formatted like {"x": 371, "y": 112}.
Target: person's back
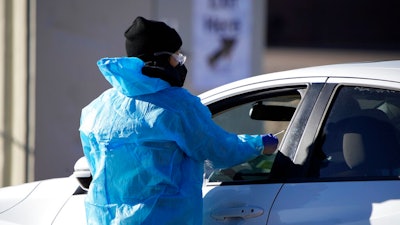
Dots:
{"x": 143, "y": 168}
{"x": 146, "y": 138}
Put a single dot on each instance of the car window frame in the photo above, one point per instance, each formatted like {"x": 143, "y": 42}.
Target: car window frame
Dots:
{"x": 290, "y": 162}
{"x": 319, "y": 117}
{"x": 291, "y": 139}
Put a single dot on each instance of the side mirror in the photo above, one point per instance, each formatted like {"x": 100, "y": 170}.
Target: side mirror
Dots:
{"x": 82, "y": 173}
{"x": 260, "y": 111}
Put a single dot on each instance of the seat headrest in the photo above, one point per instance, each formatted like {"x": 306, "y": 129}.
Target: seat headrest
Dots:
{"x": 370, "y": 142}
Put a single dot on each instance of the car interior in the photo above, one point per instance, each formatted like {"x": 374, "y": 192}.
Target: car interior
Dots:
{"x": 269, "y": 114}
{"x": 361, "y": 136}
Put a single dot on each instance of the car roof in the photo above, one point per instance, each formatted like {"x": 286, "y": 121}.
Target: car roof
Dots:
{"x": 382, "y": 70}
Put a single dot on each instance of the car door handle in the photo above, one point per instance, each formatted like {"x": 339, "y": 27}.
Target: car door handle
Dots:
{"x": 238, "y": 212}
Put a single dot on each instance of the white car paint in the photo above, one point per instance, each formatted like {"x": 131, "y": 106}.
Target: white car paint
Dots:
{"x": 367, "y": 202}
{"x": 238, "y": 204}
{"x": 41, "y": 205}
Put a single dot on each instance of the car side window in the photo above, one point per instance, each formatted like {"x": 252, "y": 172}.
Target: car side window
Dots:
{"x": 361, "y": 134}
{"x": 270, "y": 113}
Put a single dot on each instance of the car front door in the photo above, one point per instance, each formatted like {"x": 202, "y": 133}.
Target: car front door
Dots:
{"x": 244, "y": 194}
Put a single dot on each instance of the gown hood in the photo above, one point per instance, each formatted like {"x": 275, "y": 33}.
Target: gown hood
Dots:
{"x": 125, "y": 75}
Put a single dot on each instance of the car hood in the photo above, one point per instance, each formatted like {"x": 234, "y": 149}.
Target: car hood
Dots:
{"x": 38, "y": 202}
{"x": 11, "y": 196}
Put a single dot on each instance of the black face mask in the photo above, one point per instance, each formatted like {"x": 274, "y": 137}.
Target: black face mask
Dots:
{"x": 182, "y": 71}
{"x": 175, "y": 76}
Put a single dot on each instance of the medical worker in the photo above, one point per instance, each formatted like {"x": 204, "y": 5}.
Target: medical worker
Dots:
{"x": 146, "y": 138}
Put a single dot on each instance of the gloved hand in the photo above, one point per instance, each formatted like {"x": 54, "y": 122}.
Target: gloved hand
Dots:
{"x": 270, "y": 142}
{"x": 269, "y": 139}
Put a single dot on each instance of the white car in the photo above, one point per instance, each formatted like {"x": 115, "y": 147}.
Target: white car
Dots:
{"x": 338, "y": 161}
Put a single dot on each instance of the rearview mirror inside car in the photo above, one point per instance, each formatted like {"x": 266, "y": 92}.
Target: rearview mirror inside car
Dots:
{"x": 259, "y": 111}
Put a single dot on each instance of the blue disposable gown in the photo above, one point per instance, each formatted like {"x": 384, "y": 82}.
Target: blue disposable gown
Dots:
{"x": 146, "y": 143}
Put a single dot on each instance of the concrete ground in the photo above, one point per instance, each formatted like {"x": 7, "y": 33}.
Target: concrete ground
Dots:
{"x": 280, "y": 59}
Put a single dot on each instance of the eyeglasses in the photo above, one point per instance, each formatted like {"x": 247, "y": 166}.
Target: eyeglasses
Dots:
{"x": 179, "y": 57}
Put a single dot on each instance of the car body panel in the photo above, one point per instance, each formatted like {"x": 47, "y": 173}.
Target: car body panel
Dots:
{"x": 43, "y": 204}
{"x": 269, "y": 81}
{"x": 366, "y": 202}
{"x": 387, "y": 70}
{"x": 12, "y": 195}
{"x": 238, "y": 204}
{"x": 68, "y": 215}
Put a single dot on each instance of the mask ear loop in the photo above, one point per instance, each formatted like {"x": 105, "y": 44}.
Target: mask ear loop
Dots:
{"x": 149, "y": 63}
{"x": 148, "y": 59}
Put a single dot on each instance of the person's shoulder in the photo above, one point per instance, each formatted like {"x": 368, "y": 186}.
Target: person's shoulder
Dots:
{"x": 188, "y": 102}
{"x": 182, "y": 95}
{"x": 106, "y": 96}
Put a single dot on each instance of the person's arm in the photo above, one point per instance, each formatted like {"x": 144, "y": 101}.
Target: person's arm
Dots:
{"x": 202, "y": 139}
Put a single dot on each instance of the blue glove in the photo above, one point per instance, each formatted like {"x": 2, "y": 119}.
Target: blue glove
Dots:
{"x": 269, "y": 139}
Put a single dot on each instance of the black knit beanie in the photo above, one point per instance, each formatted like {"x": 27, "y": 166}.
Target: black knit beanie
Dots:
{"x": 145, "y": 37}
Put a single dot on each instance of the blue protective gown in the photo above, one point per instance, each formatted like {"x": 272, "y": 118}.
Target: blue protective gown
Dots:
{"x": 146, "y": 143}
